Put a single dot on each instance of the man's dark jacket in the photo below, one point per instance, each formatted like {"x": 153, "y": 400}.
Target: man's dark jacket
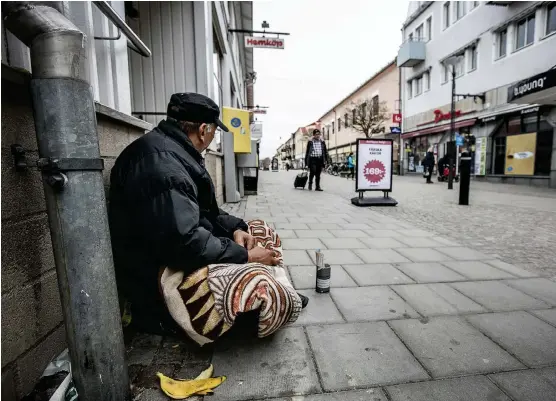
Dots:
{"x": 309, "y": 150}
{"x": 163, "y": 212}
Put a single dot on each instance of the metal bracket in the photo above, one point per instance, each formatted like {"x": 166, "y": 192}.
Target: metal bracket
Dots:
{"x": 54, "y": 168}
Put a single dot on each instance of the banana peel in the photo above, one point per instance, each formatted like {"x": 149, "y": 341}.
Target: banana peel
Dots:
{"x": 180, "y": 389}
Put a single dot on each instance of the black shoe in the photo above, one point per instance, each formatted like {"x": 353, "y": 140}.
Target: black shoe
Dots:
{"x": 310, "y": 187}
{"x": 318, "y": 189}
{"x": 304, "y": 300}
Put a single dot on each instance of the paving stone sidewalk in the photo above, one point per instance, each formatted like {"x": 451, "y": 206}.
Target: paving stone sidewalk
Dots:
{"x": 411, "y": 316}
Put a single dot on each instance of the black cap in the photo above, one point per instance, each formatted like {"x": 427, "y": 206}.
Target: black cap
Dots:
{"x": 194, "y": 108}
{"x": 316, "y": 131}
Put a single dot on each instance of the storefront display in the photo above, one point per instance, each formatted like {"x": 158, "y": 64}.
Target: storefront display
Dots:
{"x": 520, "y": 154}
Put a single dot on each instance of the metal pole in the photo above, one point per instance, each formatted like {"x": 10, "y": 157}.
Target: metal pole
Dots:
{"x": 452, "y": 130}
{"x": 65, "y": 124}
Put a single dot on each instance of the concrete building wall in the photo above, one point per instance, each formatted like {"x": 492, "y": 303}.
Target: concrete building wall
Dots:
{"x": 32, "y": 327}
{"x": 384, "y": 85}
{"x": 479, "y": 24}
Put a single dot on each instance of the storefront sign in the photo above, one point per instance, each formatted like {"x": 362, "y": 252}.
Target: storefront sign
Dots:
{"x": 275, "y": 164}
{"x": 439, "y": 116}
{"x": 530, "y": 110}
{"x": 531, "y": 85}
{"x": 257, "y": 132}
{"x": 257, "y": 111}
{"x": 397, "y": 118}
{"x": 487, "y": 119}
{"x": 374, "y": 167}
{"x": 395, "y": 130}
{"x": 265, "y": 43}
{"x": 480, "y": 156}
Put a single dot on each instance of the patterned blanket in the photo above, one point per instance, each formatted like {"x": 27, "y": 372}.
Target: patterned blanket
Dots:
{"x": 206, "y": 303}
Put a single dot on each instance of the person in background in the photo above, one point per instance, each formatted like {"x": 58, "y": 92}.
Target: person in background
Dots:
{"x": 428, "y": 163}
{"x": 315, "y": 158}
{"x": 351, "y": 166}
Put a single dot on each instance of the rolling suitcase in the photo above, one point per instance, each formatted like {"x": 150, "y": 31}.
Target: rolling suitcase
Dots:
{"x": 301, "y": 180}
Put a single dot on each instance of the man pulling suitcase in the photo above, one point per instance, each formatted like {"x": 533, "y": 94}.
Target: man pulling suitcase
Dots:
{"x": 315, "y": 159}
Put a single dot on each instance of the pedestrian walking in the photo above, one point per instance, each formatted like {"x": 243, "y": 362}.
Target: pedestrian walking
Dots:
{"x": 315, "y": 158}
{"x": 428, "y": 163}
{"x": 351, "y": 166}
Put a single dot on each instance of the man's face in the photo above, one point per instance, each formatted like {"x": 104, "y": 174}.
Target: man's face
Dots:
{"x": 316, "y": 137}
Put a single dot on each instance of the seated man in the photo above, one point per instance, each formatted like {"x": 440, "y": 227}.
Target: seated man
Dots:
{"x": 181, "y": 262}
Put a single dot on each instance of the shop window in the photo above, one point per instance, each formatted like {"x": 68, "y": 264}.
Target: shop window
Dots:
{"x": 543, "y": 156}
{"x": 499, "y": 155}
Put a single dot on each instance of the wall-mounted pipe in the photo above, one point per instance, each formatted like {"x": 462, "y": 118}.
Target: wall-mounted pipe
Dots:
{"x": 115, "y": 18}
{"x": 65, "y": 125}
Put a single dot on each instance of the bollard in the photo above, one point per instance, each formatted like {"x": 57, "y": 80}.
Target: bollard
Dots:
{"x": 465, "y": 179}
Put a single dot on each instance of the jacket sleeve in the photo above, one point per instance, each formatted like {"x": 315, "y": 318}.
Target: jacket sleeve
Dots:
{"x": 308, "y": 152}
{"x": 230, "y": 223}
{"x": 170, "y": 220}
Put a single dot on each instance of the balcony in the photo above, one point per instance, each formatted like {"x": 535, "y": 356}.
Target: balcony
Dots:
{"x": 411, "y": 53}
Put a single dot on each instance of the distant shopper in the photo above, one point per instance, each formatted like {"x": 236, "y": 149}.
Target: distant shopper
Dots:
{"x": 351, "y": 166}
{"x": 315, "y": 158}
{"x": 428, "y": 163}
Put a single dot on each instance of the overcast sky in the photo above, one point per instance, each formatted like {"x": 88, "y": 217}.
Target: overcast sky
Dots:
{"x": 334, "y": 47}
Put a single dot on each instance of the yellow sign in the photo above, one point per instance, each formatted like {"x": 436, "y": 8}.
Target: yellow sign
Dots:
{"x": 237, "y": 121}
{"x": 520, "y": 154}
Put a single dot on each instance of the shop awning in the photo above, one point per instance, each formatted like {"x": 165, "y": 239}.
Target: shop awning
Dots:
{"x": 439, "y": 128}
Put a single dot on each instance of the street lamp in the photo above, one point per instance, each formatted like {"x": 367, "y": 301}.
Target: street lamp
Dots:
{"x": 453, "y": 62}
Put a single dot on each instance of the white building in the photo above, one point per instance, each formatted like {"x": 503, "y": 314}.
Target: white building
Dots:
{"x": 500, "y": 43}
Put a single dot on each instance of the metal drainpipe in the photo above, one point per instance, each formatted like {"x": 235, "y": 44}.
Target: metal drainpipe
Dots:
{"x": 65, "y": 124}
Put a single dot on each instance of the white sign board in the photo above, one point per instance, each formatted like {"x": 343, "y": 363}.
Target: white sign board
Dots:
{"x": 374, "y": 165}
{"x": 480, "y": 156}
{"x": 256, "y": 131}
{"x": 265, "y": 43}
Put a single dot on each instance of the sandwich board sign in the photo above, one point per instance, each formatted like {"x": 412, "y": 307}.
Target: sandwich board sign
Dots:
{"x": 375, "y": 159}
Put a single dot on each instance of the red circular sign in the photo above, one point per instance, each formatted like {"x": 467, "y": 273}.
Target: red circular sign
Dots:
{"x": 374, "y": 171}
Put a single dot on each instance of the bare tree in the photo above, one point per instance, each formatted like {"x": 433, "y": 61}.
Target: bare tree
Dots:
{"x": 368, "y": 117}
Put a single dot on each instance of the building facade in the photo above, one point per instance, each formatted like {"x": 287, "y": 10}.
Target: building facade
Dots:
{"x": 192, "y": 50}
{"x": 337, "y": 123}
{"x": 490, "y": 46}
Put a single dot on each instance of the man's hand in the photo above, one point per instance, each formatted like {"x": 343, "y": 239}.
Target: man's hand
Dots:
{"x": 244, "y": 239}
{"x": 264, "y": 256}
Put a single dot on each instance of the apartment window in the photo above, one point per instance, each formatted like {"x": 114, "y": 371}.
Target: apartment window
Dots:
{"x": 346, "y": 120}
{"x": 525, "y": 32}
{"x": 418, "y": 86}
{"x": 333, "y": 130}
{"x": 409, "y": 89}
{"x": 354, "y": 117}
{"x": 460, "y": 9}
{"x": 460, "y": 66}
{"x": 429, "y": 28}
{"x": 551, "y": 18}
{"x": 446, "y": 13}
{"x": 339, "y": 124}
{"x": 419, "y": 32}
{"x": 411, "y": 36}
{"x": 445, "y": 73}
{"x": 426, "y": 81}
{"x": 474, "y": 4}
{"x": 502, "y": 43}
{"x": 375, "y": 105}
{"x": 474, "y": 55}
